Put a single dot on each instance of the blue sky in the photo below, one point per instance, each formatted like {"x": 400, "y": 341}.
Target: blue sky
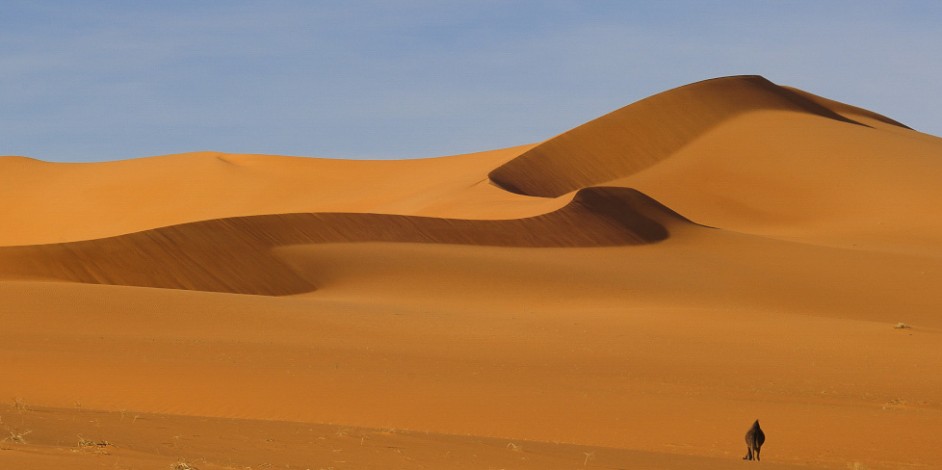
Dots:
{"x": 104, "y": 80}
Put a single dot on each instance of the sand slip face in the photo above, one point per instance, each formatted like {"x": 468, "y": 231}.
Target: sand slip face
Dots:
{"x": 634, "y": 292}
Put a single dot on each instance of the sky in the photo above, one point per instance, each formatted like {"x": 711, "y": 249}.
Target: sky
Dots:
{"x": 106, "y": 80}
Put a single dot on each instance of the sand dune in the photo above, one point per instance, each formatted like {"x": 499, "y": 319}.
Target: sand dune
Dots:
{"x": 644, "y": 133}
{"x": 795, "y": 177}
{"x": 632, "y": 293}
{"x": 235, "y": 255}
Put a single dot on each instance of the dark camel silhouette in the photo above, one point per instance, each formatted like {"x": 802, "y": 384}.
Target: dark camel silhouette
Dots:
{"x": 754, "y": 440}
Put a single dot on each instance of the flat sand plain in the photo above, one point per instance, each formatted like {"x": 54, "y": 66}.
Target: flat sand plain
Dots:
{"x": 632, "y": 293}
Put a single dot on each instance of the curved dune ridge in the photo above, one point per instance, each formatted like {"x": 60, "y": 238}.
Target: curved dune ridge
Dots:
{"x": 643, "y": 133}
{"x": 234, "y": 255}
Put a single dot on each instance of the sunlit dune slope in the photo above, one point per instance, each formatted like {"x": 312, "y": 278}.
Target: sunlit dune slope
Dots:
{"x": 234, "y": 255}
{"x": 644, "y": 133}
{"x": 793, "y": 176}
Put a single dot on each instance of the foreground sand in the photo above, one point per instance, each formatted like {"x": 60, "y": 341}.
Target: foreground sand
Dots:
{"x": 630, "y": 294}
{"x": 66, "y": 438}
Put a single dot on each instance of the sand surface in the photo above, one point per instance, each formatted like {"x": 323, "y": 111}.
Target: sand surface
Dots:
{"x": 633, "y": 293}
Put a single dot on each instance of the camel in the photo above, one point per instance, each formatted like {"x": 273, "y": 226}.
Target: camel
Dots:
{"x": 754, "y": 440}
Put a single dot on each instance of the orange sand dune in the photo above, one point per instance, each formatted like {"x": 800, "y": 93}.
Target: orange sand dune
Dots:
{"x": 795, "y": 177}
{"x": 199, "y": 255}
{"x": 644, "y": 133}
{"x": 633, "y": 293}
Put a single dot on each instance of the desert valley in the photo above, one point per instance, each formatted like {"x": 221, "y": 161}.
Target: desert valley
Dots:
{"x": 632, "y": 293}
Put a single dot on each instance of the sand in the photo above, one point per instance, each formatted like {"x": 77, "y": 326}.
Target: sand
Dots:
{"x": 632, "y": 293}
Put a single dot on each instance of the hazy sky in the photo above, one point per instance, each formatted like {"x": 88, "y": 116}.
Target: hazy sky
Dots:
{"x": 103, "y": 80}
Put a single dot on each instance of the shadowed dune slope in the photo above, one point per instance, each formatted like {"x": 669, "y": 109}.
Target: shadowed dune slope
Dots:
{"x": 648, "y": 131}
{"x": 861, "y": 115}
{"x": 234, "y": 255}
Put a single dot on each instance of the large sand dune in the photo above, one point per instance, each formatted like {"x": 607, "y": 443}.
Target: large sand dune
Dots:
{"x": 647, "y": 132}
{"x": 632, "y": 293}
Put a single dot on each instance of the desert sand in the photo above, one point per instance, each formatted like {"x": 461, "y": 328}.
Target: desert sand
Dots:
{"x": 632, "y": 293}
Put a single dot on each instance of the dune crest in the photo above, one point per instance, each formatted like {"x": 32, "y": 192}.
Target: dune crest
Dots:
{"x": 861, "y": 115}
{"x": 643, "y": 133}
